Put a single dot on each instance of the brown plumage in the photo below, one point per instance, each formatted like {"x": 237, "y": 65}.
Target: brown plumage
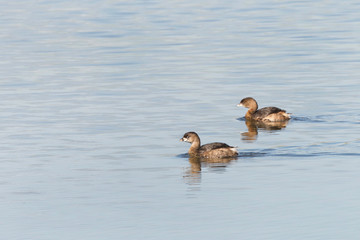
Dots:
{"x": 269, "y": 114}
{"x": 210, "y": 150}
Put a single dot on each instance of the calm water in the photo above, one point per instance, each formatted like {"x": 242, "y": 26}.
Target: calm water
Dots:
{"x": 96, "y": 94}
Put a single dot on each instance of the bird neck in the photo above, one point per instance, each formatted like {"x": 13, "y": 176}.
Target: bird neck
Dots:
{"x": 195, "y": 145}
{"x": 253, "y": 107}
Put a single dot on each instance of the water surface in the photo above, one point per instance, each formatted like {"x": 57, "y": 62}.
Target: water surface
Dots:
{"x": 96, "y": 95}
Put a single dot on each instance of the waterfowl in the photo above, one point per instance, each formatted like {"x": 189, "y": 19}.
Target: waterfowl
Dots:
{"x": 267, "y": 114}
{"x": 210, "y": 150}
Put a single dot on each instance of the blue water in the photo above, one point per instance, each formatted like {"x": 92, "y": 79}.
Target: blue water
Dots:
{"x": 96, "y": 95}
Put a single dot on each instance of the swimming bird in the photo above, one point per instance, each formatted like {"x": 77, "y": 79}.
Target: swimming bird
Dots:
{"x": 267, "y": 114}
{"x": 210, "y": 150}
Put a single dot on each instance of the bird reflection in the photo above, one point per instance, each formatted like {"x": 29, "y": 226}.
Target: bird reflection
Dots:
{"x": 192, "y": 174}
{"x": 254, "y": 126}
